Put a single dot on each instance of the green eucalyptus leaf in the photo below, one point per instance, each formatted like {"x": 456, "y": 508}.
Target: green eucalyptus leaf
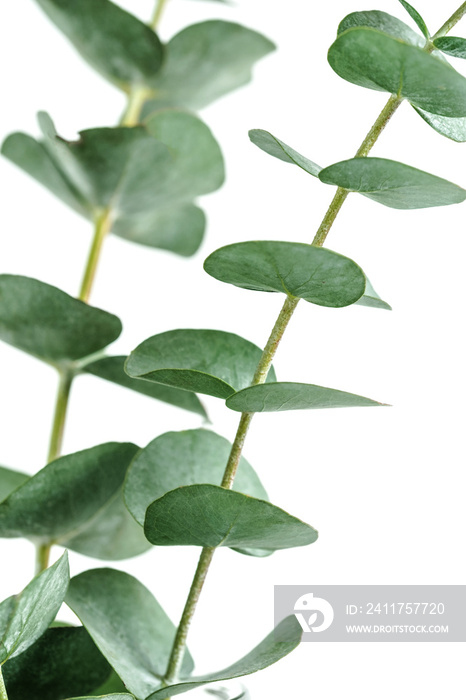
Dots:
{"x": 128, "y": 625}
{"x": 369, "y": 58}
{"x": 77, "y": 501}
{"x": 204, "y": 515}
{"x": 179, "y": 229}
{"x": 384, "y": 22}
{"x": 454, "y": 129}
{"x": 111, "y": 535}
{"x": 112, "y": 696}
{"x": 451, "y": 45}
{"x": 25, "y": 620}
{"x": 63, "y": 662}
{"x": 49, "y": 324}
{"x": 414, "y": 14}
{"x": 309, "y": 272}
{"x": 113, "y": 684}
{"x": 393, "y": 184}
{"x": 7, "y": 608}
{"x": 204, "y": 361}
{"x": 182, "y": 459}
{"x": 286, "y": 637}
{"x": 291, "y": 396}
{"x": 35, "y": 159}
{"x": 270, "y": 144}
{"x": 206, "y": 61}
{"x": 148, "y": 176}
{"x": 371, "y": 298}
{"x": 114, "y": 42}
{"x": 112, "y": 369}
{"x": 10, "y": 480}
{"x": 197, "y": 164}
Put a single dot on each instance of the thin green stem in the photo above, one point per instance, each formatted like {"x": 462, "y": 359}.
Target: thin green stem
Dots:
{"x": 103, "y": 223}
{"x": 59, "y": 419}
{"x": 136, "y": 99}
{"x": 176, "y": 658}
{"x": 158, "y": 12}
{"x": 102, "y": 227}
{"x": 378, "y": 126}
{"x": 179, "y": 645}
{"x": 3, "y": 693}
{"x": 450, "y": 23}
{"x": 259, "y": 378}
{"x": 341, "y": 194}
{"x": 55, "y": 447}
{"x": 42, "y": 557}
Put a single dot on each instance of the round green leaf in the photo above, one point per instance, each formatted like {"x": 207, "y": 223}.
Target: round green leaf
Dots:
{"x": 204, "y": 361}
{"x": 452, "y": 45}
{"x": 384, "y": 22}
{"x": 128, "y": 625}
{"x": 197, "y": 165}
{"x": 63, "y": 662}
{"x": 35, "y": 159}
{"x": 179, "y": 229}
{"x": 117, "y": 167}
{"x": 393, "y": 184}
{"x": 372, "y": 59}
{"x": 183, "y": 459}
{"x": 48, "y": 323}
{"x": 111, "y": 535}
{"x": 291, "y": 396}
{"x": 24, "y": 618}
{"x": 10, "y": 480}
{"x": 210, "y": 516}
{"x": 112, "y": 369}
{"x": 315, "y": 274}
{"x": 454, "y": 129}
{"x": 285, "y": 637}
{"x": 148, "y": 175}
{"x": 77, "y": 501}
{"x": 206, "y": 61}
{"x": 270, "y": 144}
{"x": 117, "y": 44}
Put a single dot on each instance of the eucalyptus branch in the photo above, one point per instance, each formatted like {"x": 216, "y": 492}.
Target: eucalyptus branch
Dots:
{"x": 113, "y": 501}
{"x": 451, "y": 21}
{"x": 61, "y": 407}
{"x": 177, "y": 653}
{"x": 136, "y": 99}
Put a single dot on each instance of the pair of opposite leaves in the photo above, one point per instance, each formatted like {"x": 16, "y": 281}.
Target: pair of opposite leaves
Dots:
{"x": 147, "y": 176}
{"x": 377, "y": 51}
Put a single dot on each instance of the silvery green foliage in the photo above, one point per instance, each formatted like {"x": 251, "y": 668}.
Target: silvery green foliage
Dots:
{"x": 114, "y": 500}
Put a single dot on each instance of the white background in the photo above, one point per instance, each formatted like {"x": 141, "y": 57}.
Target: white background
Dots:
{"x": 384, "y": 486}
